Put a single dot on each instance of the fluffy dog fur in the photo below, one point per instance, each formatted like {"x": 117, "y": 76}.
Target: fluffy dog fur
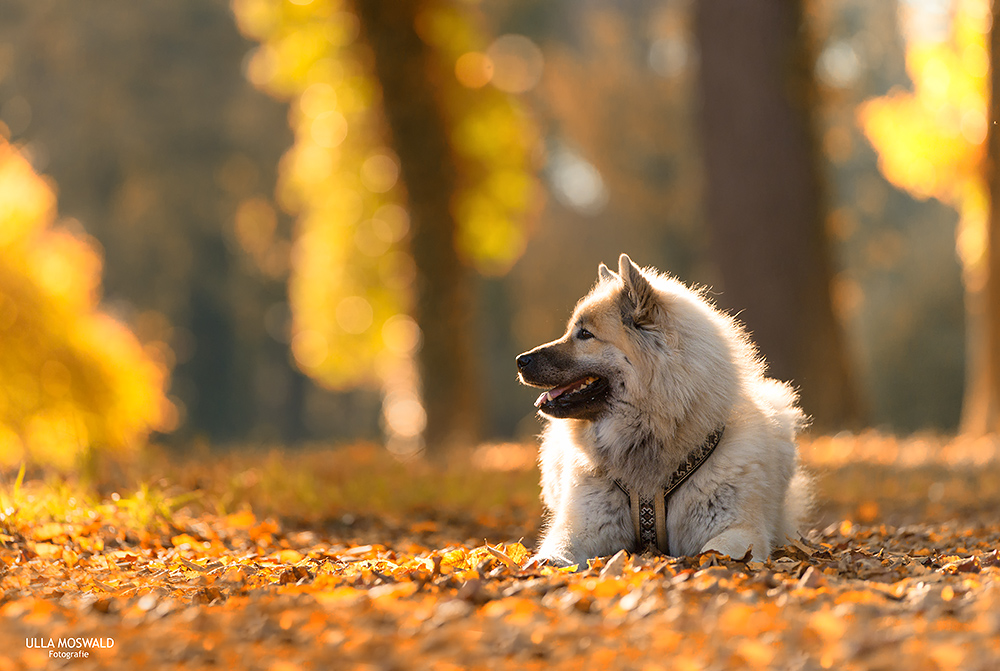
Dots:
{"x": 647, "y": 369}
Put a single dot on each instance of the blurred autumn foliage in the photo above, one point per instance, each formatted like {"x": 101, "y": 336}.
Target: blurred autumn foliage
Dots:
{"x": 398, "y": 178}
{"x": 453, "y": 172}
{"x": 74, "y": 378}
{"x": 932, "y": 142}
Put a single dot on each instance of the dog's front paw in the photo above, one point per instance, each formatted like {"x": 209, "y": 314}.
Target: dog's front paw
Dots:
{"x": 535, "y": 563}
{"x": 540, "y": 560}
{"x": 739, "y": 545}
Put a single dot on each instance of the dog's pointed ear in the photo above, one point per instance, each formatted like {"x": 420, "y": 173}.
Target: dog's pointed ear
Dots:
{"x": 639, "y": 297}
{"x": 605, "y": 274}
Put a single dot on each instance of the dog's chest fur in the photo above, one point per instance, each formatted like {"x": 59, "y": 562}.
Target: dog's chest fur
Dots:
{"x": 631, "y": 452}
{"x": 578, "y": 487}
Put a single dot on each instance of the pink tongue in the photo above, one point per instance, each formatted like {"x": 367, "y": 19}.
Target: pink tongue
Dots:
{"x": 554, "y": 393}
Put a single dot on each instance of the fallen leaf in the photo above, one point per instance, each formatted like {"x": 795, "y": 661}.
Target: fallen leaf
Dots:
{"x": 615, "y": 565}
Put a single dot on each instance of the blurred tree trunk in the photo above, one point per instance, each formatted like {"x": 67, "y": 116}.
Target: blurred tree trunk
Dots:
{"x": 764, "y": 197}
{"x": 981, "y": 406}
{"x": 444, "y": 292}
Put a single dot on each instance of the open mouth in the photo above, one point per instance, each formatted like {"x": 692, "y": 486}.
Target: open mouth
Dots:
{"x": 583, "y": 392}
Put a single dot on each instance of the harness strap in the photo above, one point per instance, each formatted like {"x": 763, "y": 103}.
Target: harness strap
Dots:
{"x": 649, "y": 516}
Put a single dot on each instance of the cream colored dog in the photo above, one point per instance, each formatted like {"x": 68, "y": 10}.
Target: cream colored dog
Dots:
{"x": 662, "y": 429}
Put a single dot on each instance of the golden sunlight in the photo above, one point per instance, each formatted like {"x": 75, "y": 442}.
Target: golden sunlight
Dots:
{"x": 72, "y": 379}
{"x": 931, "y": 142}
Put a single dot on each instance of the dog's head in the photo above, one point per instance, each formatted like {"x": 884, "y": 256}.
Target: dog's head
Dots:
{"x": 639, "y": 339}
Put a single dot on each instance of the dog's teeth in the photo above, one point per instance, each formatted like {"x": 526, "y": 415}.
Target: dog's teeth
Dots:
{"x": 553, "y": 394}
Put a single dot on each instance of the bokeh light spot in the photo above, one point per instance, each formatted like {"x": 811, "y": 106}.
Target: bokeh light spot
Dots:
{"x": 474, "y": 69}
{"x": 838, "y": 65}
{"x": 329, "y": 129}
{"x": 401, "y": 334}
{"x": 344, "y": 29}
{"x": 354, "y": 314}
{"x": 318, "y": 98}
{"x": 404, "y": 414}
{"x": 262, "y": 66}
{"x": 668, "y": 57}
{"x": 309, "y": 348}
{"x": 974, "y": 126}
{"x": 393, "y": 221}
{"x": 517, "y": 63}
{"x": 172, "y": 414}
{"x": 379, "y": 173}
{"x": 577, "y": 183}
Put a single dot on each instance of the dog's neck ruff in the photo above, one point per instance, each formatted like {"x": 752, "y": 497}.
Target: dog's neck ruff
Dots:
{"x": 649, "y": 516}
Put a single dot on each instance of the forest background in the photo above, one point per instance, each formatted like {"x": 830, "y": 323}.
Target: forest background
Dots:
{"x": 293, "y": 222}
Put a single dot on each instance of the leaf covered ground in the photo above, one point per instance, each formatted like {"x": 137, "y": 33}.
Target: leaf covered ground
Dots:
{"x": 347, "y": 560}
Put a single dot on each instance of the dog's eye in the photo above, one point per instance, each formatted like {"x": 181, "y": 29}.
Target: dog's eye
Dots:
{"x": 584, "y": 334}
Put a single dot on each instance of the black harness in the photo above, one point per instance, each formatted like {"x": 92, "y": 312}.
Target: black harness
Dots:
{"x": 649, "y": 516}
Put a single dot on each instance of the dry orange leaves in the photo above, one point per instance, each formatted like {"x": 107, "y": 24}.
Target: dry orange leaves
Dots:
{"x": 885, "y": 581}
{"x": 236, "y": 591}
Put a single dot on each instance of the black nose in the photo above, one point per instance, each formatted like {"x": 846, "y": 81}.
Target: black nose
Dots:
{"x": 524, "y": 361}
